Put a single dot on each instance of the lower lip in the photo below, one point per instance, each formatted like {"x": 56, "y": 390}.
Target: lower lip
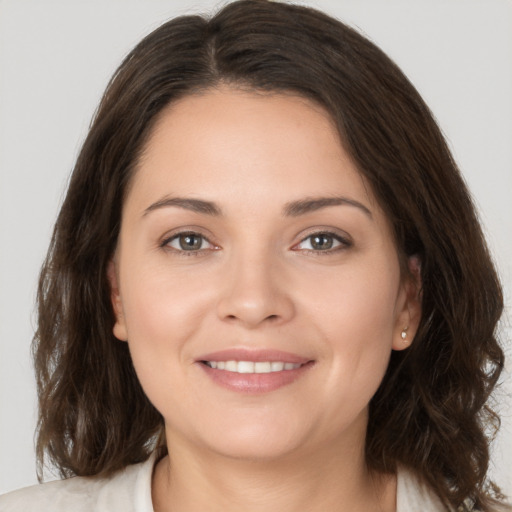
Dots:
{"x": 254, "y": 383}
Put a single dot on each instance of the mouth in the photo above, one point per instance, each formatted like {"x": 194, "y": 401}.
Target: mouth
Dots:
{"x": 252, "y": 366}
{"x": 254, "y": 371}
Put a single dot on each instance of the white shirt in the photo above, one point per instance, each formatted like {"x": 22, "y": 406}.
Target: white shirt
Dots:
{"x": 130, "y": 491}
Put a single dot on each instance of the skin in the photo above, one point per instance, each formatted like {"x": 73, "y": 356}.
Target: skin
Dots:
{"x": 257, "y": 282}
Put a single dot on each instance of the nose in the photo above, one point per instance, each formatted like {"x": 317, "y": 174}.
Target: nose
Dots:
{"x": 255, "y": 292}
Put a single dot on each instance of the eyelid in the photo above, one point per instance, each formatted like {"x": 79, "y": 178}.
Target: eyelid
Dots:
{"x": 168, "y": 237}
{"x": 344, "y": 239}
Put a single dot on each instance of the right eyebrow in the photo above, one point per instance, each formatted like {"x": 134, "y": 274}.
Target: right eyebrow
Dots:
{"x": 195, "y": 205}
{"x": 308, "y": 205}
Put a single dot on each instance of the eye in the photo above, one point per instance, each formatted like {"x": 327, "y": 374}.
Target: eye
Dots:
{"x": 188, "y": 241}
{"x": 322, "y": 242}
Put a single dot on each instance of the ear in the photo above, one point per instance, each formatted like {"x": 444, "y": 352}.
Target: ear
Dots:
{"x": 409, "y": 306}
{"x": 119, "y": 329}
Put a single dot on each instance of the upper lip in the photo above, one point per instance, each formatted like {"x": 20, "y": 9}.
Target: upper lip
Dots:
{"x": 256, "y": 355}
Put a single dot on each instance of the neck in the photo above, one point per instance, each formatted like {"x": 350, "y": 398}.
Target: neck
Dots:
{"x": 329, "y": 479}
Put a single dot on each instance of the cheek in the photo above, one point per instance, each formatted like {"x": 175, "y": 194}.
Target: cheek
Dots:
{"x": 160, "y": 315}
{"x": 355, "y": 314}
{"x": 163, "y": 313}
{"x": 161, "y": 308}
{"x": 356, "y": 305}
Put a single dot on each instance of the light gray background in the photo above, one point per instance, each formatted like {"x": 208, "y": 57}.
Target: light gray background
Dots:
{"x": 56, "y": 57}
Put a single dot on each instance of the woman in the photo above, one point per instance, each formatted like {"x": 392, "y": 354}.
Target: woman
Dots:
{"x": 267, "y": 288}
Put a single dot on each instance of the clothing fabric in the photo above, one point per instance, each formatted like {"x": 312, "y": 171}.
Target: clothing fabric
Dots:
{"x": 130, "y": 491}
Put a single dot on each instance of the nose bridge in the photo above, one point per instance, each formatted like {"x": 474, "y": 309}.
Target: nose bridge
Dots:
{"x": 254, "y": 290}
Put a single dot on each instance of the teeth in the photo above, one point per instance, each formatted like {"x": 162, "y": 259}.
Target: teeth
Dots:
{"x": 231, "y": 366}
{"x": 244, "y": 367}
{"x": 276, "y": 366}
{"x": 262, "y": 367}
{"x": 252, "y": 367}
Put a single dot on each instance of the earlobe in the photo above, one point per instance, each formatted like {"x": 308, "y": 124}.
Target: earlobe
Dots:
{"x": 409, "y": 317}
{"x": 119, "y": 328}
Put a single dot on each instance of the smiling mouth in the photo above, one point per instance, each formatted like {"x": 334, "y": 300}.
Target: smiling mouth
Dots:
{"x": 246, "y": 376}
{"x": 252, "y": 366}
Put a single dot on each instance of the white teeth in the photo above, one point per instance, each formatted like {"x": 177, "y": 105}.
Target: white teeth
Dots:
{"x": 276, "y": 366}
{"x": 231, "y": 366}
{"x": 262, "y": 367}
{"x": 244, "y": 367}
{"x": 252, "y": 367}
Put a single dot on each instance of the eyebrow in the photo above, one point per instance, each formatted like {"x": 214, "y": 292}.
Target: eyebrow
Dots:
{"x": 291, "y": 209}
{"x": 303, "y": 206}
{"x": 195, "y": 205}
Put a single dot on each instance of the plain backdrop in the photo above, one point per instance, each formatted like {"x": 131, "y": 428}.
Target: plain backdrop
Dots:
{"x": 56, "y": 57}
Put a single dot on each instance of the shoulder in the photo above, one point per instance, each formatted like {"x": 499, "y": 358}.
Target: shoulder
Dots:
{"x": 127, "y": 491}
{"x": 79, "y": 493}
{"x": 414, "y": 496}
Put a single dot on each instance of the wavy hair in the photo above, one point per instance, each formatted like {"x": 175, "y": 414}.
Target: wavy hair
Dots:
{"x": 431, "y": 411}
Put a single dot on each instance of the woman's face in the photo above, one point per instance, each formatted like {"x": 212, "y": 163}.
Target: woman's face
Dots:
{"x": 256, "y": 279}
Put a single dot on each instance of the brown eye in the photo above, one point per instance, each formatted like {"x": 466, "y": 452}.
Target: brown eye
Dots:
{"x": 191, "y": 242}
{"x": 323, "y": 242}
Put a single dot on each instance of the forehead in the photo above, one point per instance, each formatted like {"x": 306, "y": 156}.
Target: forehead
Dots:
{"x": 251, "y": 145}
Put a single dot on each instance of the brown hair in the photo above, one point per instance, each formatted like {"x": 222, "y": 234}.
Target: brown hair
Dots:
{"x": 430, "y": 413}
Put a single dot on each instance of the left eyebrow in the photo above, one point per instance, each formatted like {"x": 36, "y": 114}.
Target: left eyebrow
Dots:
{"x": 303, "y": 206}
{"x": 195, "y": 205}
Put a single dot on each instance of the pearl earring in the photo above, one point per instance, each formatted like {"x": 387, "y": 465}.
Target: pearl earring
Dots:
{"x": 404, "y": 335}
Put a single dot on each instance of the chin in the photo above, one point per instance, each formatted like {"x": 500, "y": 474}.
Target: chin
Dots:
{"x": 251, "y": 440}
{"x": 256, "y": 449}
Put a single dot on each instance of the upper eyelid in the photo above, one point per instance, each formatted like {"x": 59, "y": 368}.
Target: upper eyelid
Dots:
{"x": 342, "y": 236}
{"x": 184, "y": 231}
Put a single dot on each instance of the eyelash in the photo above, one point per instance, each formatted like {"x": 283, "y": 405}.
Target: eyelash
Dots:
{"x": 344, "y": 243}
{"x": 183, "y": 252}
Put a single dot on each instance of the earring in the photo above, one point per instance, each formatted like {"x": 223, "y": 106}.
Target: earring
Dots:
{"x": 404, "y": 335}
